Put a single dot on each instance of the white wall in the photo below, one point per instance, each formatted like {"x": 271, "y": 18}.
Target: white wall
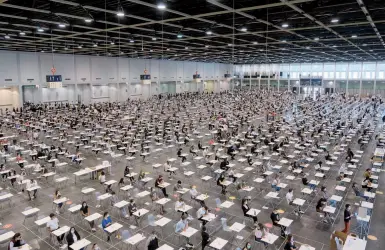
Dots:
{"x": 98, "y": 79}
{"x": 9, "y": 98}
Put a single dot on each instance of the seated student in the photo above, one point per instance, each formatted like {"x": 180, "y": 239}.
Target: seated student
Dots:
{"x": 350, "y": 153}
{"x": 306, "y": 183}
{"x": 202, "y": 211}
{"x": 368, "y": 173}
{"x": 56, "y": 196}
{"x": 326, "y": 196}
{"x": 328, "y": 157}
{"x": 179, "y": 205}
{"x": 152, "y": 242}
{"x": 232, "y": 175}
{"x": 127, "y": 172}
{"x": 31, "y": 184}
{"x": 154, "y": 197}
{"x": 52, "y": 225}
{"x": 72, "y": 237}
{"x": 260, "y": 232}
{"x": 179, "y": 154}
{"x": 141, "y": 175}
{"x": 276, "y": 182}
{"x": 231, "y": 151}
{"x": 220, "y": 181}
{"x": 200, "y": 145}
{"x": 159, "y": 181}
{"x": 102, "y": 178}
{"x": 167, "y": 168}
{"x": 121, "y": 183}
{"x": 193, "y": 192}
{"x": 16, "y": 242}
{"x": 224, "y": 165}
{"x": 274, "y": 216}
{"x": 114, "y": 199}
{"x": 106, "y": 222}
{"x": 290, "y": 245}
{"x": 84, "y": 211}
{"x": 178, "y": 186}
{"x": 290, "y": 199}
{"x": 182, "y": 224}
{"x": 366, "y": 183}
{"x": 33, "y": 154}
{"x": 193, "y": 151}
{"x": 357, "y": 191}
{"x": 321, "y": 204}
{"x": 132, "y": 208}
{"x": 246, "y": 208}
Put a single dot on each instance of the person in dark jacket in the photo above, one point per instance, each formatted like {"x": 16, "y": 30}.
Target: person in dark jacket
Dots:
{"x": 205, "y": 237}
{"x": 72, "y": 237}
{"x": 152, "y": 242}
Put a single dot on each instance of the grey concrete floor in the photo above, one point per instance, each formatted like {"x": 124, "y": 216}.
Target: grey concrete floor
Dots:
{"x": 309, "y": 229}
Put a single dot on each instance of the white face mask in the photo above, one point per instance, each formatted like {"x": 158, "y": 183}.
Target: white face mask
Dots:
{"x": 72, "y": 230}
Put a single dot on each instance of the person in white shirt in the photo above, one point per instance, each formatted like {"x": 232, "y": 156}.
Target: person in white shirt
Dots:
{"x": 290, "y": 199}
{"x": 52, "y": 225}
{"x": 102, "y": 177}
{"x": 167, "y": 167}
{"x": 31, "y": 184}
{"x": 193, "y": 192}
{"x": 179, "y": 204}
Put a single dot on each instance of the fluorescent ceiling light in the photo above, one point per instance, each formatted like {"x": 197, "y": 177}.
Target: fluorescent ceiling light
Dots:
{"x": 285, "y": 25}
{"x": 65, "y": 48}
{"x": 335, "y": 20}
{"x": 244, "y": 29}
{"x": 7, "y": 37}
{"x": 40, "y": 29}
{"x": 161, "y": 6}
{"x": 120, "y": 13}
{"x": 209, "y": 32}
{"x": 354, "y": 36}
{"x": 112, "y": 42}
{"x": 154, "y": 38}
{"x": 22, "y": 33}
{"x": 88, "y": 20}
{"x": 132, "y": 41}
{"x": 255, "y": 42}
{"x": 62, "y": 25}
{"x": 179, "y": 35}
{"x": 95, "y": 45}
{"x": 316, "y": 39}
{"x": 79, "y": 47}
{"x": 229, "y": 44}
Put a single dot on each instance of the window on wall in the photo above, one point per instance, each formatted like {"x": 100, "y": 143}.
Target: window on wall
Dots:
{"x": 331, "y": 74}
{"x": 326, "y": 74}
{"x": 381, "y": 75}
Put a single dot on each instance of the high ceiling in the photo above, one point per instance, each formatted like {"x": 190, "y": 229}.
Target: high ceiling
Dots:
{"x": 227, "y": 31}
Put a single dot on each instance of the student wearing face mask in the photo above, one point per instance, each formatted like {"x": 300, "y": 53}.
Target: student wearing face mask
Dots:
{"x": 72, "y": 237}
{"x": 84, "y": 210}
{"x": 152, "y": 242}
{"x": 247, "y": 246}
{"x": 106, "y": 222}
{"x": 290, "y": 243}
{"x": 16, "y": 242}
{"x": 347, "y": 217}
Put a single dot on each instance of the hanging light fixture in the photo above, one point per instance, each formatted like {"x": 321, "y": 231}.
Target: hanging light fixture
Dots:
{"x": 62, "y": 25}
{"x": 209, "y": 32}
{"x": 180, "y": 35}
{"x": 88, "y": 20}
{"x": 161, "y": 5}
